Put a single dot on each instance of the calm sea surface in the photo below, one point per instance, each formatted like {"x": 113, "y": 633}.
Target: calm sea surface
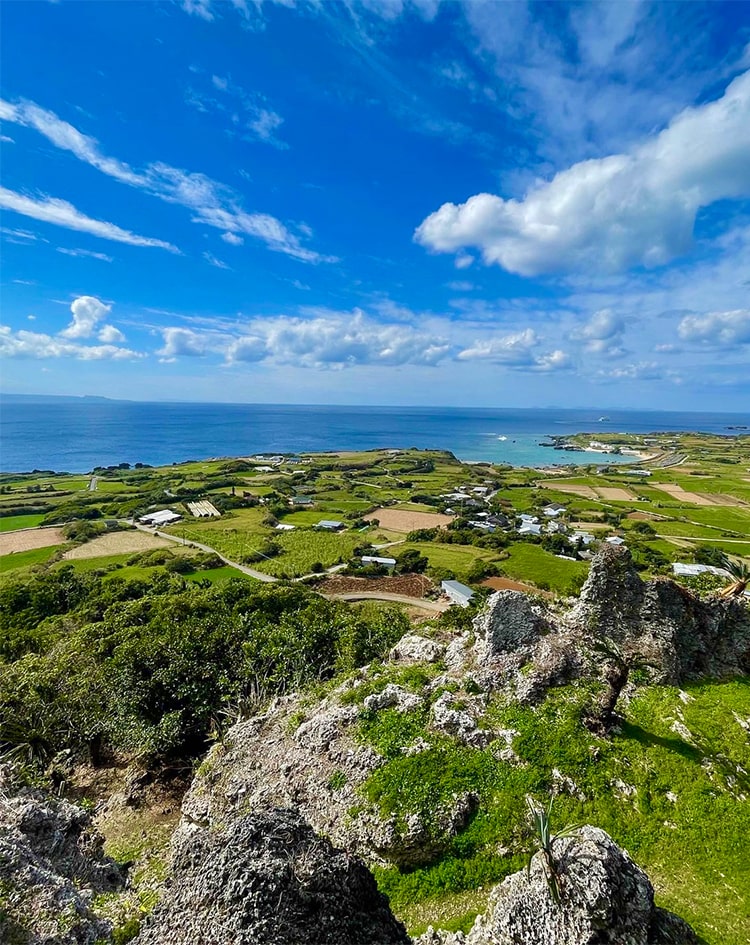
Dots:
{"x": 75, "y": 437}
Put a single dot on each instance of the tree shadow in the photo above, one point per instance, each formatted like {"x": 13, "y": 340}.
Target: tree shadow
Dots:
{"x": 678, "y": 745}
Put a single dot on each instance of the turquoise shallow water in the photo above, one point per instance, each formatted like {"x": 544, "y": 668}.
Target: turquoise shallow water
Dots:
{"x": 76, "y": 436}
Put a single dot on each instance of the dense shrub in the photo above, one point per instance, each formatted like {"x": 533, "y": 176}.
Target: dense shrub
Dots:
{"x": 146, "y": 667}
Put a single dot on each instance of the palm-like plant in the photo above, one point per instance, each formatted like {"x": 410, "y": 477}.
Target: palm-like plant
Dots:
{"x": 544, "y": 841}
{"x": 740, "y": 574}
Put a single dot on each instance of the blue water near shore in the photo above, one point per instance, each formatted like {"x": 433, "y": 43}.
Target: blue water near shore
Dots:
{"x": 76, "y": 436}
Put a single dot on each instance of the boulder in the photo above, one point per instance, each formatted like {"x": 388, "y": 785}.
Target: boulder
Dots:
{"x": 51, "y": 866}
{"x": 459, "y": 722}
{"x": 268, "y": 879}
{"x": 678, "y": 635}
{"x": 605, "y": 899}
{"x": 413, "y": 648}
{"x": 393, "y": 697}
{"x": 509, "y": 622}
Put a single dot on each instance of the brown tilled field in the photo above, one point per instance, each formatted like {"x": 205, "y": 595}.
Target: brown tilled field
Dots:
{"x": 505, "y": 584}
{"x": 586, "y": 492}
{"x": 678, "y": 493}
{"x": 615, "y": 494}
{"x": 410, "y": 585}
{"x": 118, "y": 543}
{"x": 28, "y": 539}
{"x": 404, "y": 521}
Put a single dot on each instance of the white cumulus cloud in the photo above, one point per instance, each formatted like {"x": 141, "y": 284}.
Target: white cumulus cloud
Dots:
{"x": 29, "y": 344}
{"x": 87, "y": 312}
{"x": 630, "y": 209}
{"x": 718, "y": 329}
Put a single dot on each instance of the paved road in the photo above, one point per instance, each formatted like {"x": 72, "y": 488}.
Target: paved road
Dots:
{"x": 434, "y": 606}
{"x": 251, "y": 572}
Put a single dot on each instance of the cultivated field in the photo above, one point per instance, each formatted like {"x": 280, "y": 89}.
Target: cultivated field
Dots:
{"x": 402, "y": 520}
{"x": 13, "y": 542}
{"x": 586, "y": 492}
{"x": 675, "y": 491}
{"x": 615, "y": 494}
{"x": 118, "y": 543}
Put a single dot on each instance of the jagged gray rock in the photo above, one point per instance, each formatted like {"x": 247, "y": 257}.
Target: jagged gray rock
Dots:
{"x": 680, "y": 636}
{"x": 605, "y": 898}
{"x": 268, "y": 879}
{"x": 414, "y": 648}
{"x": 51, "y": 866}
{"x": 393, "y": 697}
{"x": 510, "y": 621}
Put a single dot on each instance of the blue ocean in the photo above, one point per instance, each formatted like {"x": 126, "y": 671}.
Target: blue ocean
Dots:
{"x": 75, "y": 436}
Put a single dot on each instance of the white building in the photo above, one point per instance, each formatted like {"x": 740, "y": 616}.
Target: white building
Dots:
{"x": 164, "y": 517}
{"x": 284, "y": 527}
{"x": 331, "y": 524}
{"x": 373, "y": 559}
{"x": 552, "y": 511}
{"x": 615, "y": 540}
{"x": 693, "y": 570}
{"x": 459, "y": 593}
{"x": 532, "y": 519}
{"x": 530, "y": 528}
{"x": 586, "y": 538}
{"x": 482, "y": 526}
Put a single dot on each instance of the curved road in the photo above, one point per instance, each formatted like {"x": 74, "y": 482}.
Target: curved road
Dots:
{"x": 433, "y": 606}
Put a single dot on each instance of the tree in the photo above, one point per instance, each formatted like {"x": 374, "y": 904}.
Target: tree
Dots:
{"x": 618, "y": 664}
{"x": 411, "y": 562}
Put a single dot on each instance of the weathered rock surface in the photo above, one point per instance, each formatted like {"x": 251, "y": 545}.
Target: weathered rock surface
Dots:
{"x": 51, "y": 866}
{"x": 605, "y": 898}
{"x": 268, "y": 879}
{"x": 416, "y": 649}
{"x": 679, "y": 636}
{"x": 393, "y": 697}
{"x": 316, "y": 767}
{"x": 511, "y": 620}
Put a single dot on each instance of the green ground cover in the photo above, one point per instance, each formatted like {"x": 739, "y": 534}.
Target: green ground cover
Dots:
{"x": 303, "y": 549}
{"x": 217, "y": 575}
{"x": 456, "y": 558}
{"x": 11, "y": 523}
{"x": 527, "y": 562}
{"x": 675, "y": 804}
{"x": 25, "y": 559}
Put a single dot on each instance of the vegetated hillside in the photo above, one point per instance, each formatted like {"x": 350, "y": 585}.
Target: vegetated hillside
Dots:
{"x": 631, "y": 709}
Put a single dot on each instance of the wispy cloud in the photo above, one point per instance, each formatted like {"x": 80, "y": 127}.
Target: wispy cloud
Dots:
{"x": 214, "y": 261}
{"x": 61, "y": 213}
{"x": 248, "y": 114}
{"x": 88, "y": 253}
{"x": 210, "y": 202}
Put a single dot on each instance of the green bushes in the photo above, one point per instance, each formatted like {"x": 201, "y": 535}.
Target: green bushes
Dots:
{"x": 146, "y": 667}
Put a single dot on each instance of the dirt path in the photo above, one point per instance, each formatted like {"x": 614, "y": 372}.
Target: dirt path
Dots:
{"x": 434, "y": 606}
{"x": 251, "y": 572}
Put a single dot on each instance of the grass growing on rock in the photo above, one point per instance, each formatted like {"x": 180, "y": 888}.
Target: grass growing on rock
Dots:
{"x": 671, "y": 788}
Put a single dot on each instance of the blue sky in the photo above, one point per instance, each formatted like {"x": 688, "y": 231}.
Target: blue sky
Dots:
{"x": 383, "y": 202}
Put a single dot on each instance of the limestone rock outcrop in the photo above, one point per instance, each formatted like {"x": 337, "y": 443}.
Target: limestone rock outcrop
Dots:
{"x": 268, "y": 879}
{"x": 51, "y": 867}
{"x": 604, "y": 898}
{"x": 678, "y": 635}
